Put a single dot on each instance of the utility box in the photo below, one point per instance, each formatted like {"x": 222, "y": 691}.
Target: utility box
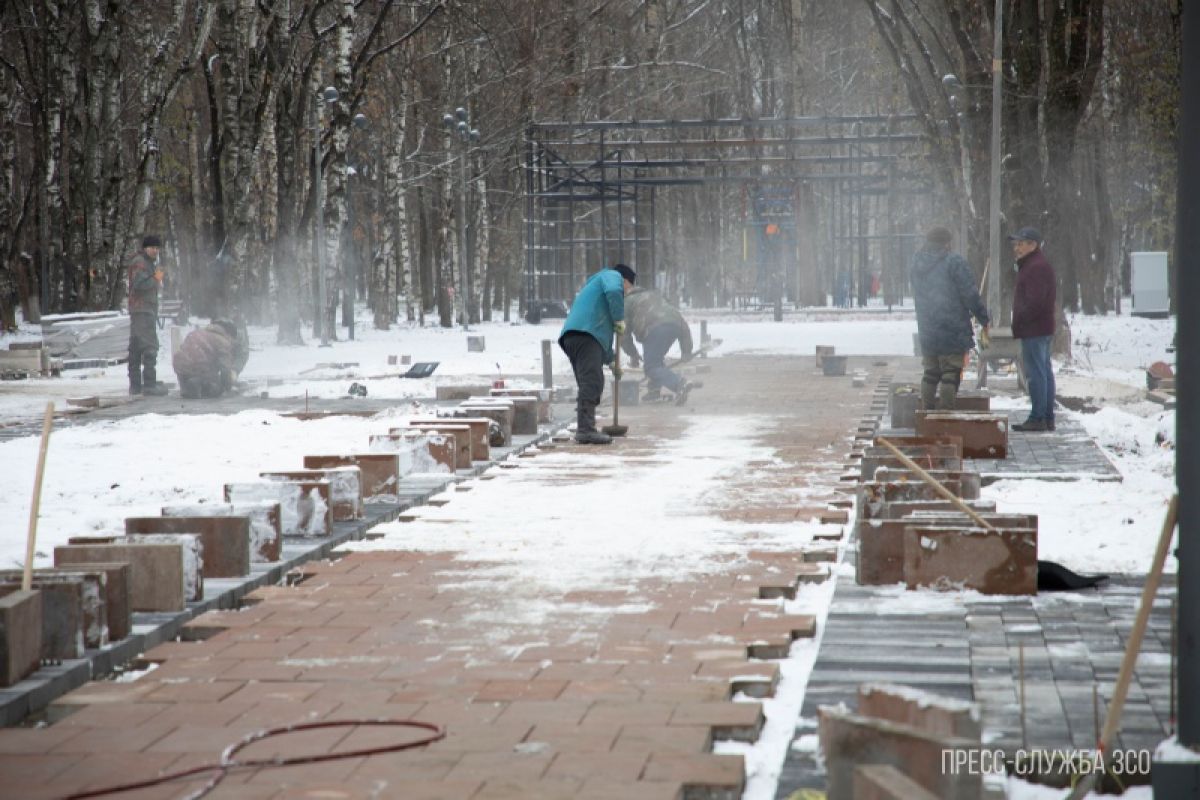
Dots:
{"x": 1150, "y": 283}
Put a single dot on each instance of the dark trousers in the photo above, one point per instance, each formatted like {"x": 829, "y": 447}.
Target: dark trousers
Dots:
{"x": 1039, "y": 376}
{"x": 939, "y": 383}
{"x": 143, "y": 349}
{"x": 654, "y": 350}
{"x": 587, "y": 361}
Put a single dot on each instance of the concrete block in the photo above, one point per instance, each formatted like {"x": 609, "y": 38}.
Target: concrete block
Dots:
{"x": 462, "y": 439}
{"x": 969, "y": 482}
{"x": 928, "y": 457}
{"x": 418, "y": 452}
{"x": 113, "y": 579}
{"x": 629, "y": 390}
{"x": 822, "y": 351}
{"x": 904, "y": 441}
{"x": 304, "y": 506}
{"x": 850, "y": 740}
{"x": 881, "y": 541}
{"x": 62, "y": 616}
{"x": 345, "y": 487}
{"x": 904, "y": 508}
{"x": 885, "y": 782}
{"x": 266, "y": 527}
{"x": 20, "y": 635}
{"x": 873, "y": 497}
{"x": 480, "y": 431}
{"x": 984, "y": 435}
{"x": 543, "y": 397}
{"x": 833, "y": 366}
{"x": 224, "y": 541}
{"x": 973, "y": 401}
{"x": 462, "y": 391}
{"x": 501, "y": 415}
{"x": 379, "y": 472}
{"x": 476, "y": 344}
{"x": 903, "y": 404}
{"x": 990, "y": 561}
{"x": 941, "y": 716}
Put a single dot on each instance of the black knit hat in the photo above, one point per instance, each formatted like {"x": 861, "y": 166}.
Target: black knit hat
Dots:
{"x": 150, "y": 240}
{"x": 626, "y": 273}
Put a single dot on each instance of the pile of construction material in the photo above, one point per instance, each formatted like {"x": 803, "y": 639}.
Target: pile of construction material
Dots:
{"x": 919, "y": 518}
{"x": 160, "y": 564}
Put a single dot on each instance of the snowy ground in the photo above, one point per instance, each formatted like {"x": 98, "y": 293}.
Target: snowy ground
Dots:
{"x": 100, "y": 473}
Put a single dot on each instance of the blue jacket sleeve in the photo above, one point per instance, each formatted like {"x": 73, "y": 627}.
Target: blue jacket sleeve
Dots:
{"x": 614, "y": 295}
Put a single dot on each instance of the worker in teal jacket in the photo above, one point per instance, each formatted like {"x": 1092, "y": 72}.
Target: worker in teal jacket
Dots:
{"x": 587, "y": 338}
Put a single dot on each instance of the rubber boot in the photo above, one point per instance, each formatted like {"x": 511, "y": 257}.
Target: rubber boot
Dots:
{"x": 585, "y": 429}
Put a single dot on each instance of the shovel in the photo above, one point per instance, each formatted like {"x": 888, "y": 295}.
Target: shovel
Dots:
{"x": 616, "y": 429}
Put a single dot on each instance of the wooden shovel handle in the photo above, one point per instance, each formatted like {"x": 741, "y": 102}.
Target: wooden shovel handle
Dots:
{"x": 31, "y": 538}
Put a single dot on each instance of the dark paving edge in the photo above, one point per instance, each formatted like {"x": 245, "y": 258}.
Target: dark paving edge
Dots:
{"x": 48, "y": 683}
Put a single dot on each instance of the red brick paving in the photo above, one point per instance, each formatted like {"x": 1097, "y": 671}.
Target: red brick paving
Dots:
{"x": 597, "y": 705}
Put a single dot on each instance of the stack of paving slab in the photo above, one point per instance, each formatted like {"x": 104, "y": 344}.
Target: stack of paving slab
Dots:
{"x": 902, "y": 743}
{"x": 908, "y": 533}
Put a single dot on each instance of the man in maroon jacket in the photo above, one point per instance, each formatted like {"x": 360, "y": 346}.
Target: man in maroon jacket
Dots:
{"x": 1033, "y": 324}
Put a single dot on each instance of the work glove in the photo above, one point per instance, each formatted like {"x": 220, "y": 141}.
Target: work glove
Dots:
{"x": 616, "y": 371}
{"x": 619, "y": 327}
{"x": 985, "y": 338}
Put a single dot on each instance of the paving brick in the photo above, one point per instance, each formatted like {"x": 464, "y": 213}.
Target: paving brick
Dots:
{"x": 224, "y": 541}
{"x": 720, "y": 777}
{"x": 737, "y": 721}
{"x": 623, "y": 766}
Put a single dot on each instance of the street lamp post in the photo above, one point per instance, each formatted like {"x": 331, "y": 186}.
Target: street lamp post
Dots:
{"x": 330, "y": 96}
{"x": 459, "y": 125}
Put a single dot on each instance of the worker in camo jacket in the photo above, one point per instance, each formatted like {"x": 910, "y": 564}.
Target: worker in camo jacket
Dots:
{"x": 657, "y": 325}
{"x": 145, "y": 281}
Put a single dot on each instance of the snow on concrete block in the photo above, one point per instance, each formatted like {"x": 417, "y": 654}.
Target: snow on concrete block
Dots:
{"x": 941, "y": 716}
{"x": 20, "y": 635}
{"x": 904, "y": 508}
{"x": 304, "y": 508}
{"x": 345, "y": 487}
{"x": 885, "y": 782}
{"x": 984, "y": 435}
{"x": 380, "y": 472}
{"x": 418, "y": 452}
{"x": 989, "y": 561}
{"x": 266, "y": 530}
{"x": 62, "y": 615}
{"x": 462, "y": 439}
{"x": 224, "y": 541}
{"x": 850, "y": 740}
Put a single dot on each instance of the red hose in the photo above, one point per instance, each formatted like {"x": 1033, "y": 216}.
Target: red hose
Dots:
{"x": 228, "y": 762}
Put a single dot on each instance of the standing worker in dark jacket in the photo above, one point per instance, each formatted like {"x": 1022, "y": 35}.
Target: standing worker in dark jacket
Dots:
{"x": 1033, "y": 323}
{"x": 586, "y": 338}
{"x": 657, "y": 325}
{"x": 145, "y": 279}
{"x": 945, "y": 296}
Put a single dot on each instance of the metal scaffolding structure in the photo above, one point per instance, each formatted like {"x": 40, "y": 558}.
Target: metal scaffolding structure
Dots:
{"x": 592, "y": 190}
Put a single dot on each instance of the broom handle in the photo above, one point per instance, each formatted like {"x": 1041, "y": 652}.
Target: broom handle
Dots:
{"x": 932, "y": 481}
{"x": 31, "y": 539}
{"x": 1132, "y": 646}
{"x": 617, "y": 384}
